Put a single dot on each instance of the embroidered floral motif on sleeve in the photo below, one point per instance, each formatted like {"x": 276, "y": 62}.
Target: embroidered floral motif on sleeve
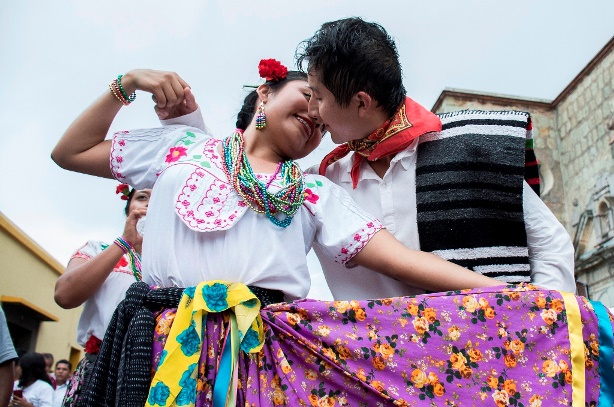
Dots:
{"x": 117, "y": 147}
{"x": 359, "y": 240}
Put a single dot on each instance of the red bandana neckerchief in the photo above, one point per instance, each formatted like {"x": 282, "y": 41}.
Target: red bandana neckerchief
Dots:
{"x": 381, "y": 142}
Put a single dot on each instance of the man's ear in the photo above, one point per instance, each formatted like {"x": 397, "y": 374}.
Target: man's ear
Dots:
{"x": 263, "y": 92}
{"x": 364, "y": 103}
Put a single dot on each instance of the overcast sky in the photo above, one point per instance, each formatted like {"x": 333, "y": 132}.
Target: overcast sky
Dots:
{"x": 57, "y": 56}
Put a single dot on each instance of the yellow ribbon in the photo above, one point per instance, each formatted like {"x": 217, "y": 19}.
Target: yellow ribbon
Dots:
{"x": 574, "y": 325}
{"x": 174, "y": 383}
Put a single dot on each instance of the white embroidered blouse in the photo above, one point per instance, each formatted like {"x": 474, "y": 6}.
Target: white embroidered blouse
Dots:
{"x": 99, "y": 308}
{"x": 198, "y": 228}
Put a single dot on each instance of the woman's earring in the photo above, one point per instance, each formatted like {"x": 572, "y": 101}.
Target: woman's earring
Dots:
{"x": 261, "y": 117}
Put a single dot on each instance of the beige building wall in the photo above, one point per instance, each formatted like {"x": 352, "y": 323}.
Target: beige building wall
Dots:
{"x": 27, "y": 280}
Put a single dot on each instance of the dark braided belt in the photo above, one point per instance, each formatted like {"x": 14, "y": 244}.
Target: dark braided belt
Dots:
{"x": 266, "y": 296}
{"x": 122, "y": 372}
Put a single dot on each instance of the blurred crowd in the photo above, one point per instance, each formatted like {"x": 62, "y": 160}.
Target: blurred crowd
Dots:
{"x": 31, "y": 379}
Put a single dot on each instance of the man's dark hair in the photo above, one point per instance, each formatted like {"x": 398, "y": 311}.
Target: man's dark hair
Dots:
{"x": 351, "y": 55}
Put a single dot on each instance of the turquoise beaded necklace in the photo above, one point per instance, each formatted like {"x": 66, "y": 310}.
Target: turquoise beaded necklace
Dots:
{"x": 280, "y": 206}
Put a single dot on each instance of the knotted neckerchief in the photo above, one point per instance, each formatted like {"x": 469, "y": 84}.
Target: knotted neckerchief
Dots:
{"x": 408, "y": 123}
{"x": 175, "y": 380}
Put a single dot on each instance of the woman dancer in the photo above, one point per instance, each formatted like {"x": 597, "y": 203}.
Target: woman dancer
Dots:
{"x": 97, "y": 276}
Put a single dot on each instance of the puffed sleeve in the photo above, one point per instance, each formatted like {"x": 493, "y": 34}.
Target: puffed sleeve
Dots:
{"x": 88, "y": 250}
{"x": 342, "y": 228}
{"x": 139, "y": 156}
{"x": 194, "y": 119}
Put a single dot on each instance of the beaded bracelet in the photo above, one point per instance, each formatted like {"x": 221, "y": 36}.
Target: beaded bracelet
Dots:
{"x": 133, "y": 257}
{"x": 115, "y": 89}
{"x": 130, "y": 98}
{"x": 119, "y": 92}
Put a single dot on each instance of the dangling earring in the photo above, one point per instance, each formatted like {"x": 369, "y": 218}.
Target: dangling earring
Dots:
{"x": 261, "y": 117}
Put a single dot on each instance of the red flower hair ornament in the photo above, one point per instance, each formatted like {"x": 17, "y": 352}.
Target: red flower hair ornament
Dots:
{"x": 272, "y": 70}
{"x": 124, "y": 190}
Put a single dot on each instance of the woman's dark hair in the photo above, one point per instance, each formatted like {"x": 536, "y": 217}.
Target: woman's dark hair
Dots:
{"x": 246, "y": 114}
{"x": 130, "y": 196}
{"x": 351, "y": 55}
{"x": 32, "y": 369}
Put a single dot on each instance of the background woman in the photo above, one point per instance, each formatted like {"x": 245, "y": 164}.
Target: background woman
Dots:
{"x": 33, "y": 389}
{"x": 97, "y": 276}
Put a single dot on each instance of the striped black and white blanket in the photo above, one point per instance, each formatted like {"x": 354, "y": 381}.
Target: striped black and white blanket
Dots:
{"x": 469, "y": 186}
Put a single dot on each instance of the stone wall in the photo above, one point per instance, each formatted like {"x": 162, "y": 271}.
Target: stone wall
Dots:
{"x": 582, "y": 120}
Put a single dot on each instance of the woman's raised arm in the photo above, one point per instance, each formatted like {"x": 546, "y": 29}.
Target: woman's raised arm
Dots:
{"x": 83, "y": 147}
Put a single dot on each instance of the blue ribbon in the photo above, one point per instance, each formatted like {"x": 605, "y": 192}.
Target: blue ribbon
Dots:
{"x": 224, "y": 374}
{"x": 606, "y": 356}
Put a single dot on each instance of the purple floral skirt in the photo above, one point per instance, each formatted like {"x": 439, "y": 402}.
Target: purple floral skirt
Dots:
{"x": 516, "y": 346}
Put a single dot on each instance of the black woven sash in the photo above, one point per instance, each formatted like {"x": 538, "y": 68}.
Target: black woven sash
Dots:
{"x": 122, "y": 373}
{"x": 469, "y": 186}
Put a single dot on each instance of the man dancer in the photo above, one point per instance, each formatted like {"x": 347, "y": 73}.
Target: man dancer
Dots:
{"x": 357, "y": 92}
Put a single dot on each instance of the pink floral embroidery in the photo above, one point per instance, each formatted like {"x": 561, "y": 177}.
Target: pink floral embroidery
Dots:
{"x": 116, "y": 159}
{"x": 208, "y": 207}
{"x": 175, "y": 153}
{"x": 310, "y": 196}
{"x": 359, "y": 241}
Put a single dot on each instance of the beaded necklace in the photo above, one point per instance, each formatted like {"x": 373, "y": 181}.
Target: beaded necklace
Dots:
{"x": 254, "y": 192}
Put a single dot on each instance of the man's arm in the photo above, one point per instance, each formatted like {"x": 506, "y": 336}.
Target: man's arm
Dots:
{"x": 551, "y": 252}
{"x": 6, "y": 382}
{"x": 7, "y": 357}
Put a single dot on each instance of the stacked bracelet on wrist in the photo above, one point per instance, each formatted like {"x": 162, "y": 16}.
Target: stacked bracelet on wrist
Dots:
{"x": 119, "y": 92}
{"x": 133, "y": 257}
